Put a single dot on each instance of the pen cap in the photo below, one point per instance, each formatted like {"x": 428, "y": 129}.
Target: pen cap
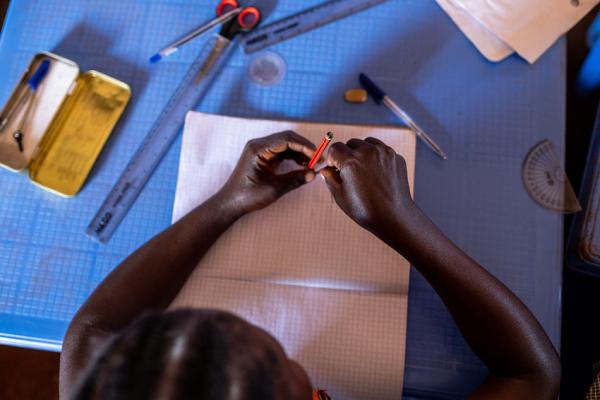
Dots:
{"x": 375, "y": 91}
{"x": 39, "y": 74}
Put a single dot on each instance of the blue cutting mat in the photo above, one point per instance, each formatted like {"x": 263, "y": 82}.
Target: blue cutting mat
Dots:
{"x": 486, "y": 116}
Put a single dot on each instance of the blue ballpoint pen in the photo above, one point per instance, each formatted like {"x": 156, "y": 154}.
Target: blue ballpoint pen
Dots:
{"x": 30, "y": 87}
{"x": 173, "y": 47}
{"x": 380, "y": 97}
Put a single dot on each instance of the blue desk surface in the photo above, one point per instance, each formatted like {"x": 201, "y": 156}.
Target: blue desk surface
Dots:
{"x": 486, "y": 116}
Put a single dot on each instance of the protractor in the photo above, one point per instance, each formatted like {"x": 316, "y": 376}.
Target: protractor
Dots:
{"x": 546, "y": 181}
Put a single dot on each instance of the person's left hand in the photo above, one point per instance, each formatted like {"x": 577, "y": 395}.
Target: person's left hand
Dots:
{"x": 254, "y": 183}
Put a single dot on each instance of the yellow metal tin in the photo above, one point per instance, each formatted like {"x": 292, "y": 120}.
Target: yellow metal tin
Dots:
{"x": 78, "y": 133}
{"x": 73, "y": 116}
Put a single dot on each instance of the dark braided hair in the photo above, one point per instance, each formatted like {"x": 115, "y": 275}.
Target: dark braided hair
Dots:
{"x": 178, "y": 355}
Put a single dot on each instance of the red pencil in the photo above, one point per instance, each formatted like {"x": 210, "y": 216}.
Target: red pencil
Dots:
{"x": 326, "y": 140}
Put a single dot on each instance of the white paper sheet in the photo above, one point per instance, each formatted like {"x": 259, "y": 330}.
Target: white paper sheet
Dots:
{"x": 485, "y": 41}
{"x": 333, "y": 295}
{"x": 528, "y": 27}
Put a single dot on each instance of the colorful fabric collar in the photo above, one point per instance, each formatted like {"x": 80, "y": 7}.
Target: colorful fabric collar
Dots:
{"x": 320, "y": 394}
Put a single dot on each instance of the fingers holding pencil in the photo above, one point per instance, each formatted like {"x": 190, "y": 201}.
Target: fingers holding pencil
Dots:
{"x": 369, "y": 181}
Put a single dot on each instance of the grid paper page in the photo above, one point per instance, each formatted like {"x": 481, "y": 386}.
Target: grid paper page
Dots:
{"x": 336, "y": 254}
{"x": 350, "y": 343}
{"x": 344, "y": 299}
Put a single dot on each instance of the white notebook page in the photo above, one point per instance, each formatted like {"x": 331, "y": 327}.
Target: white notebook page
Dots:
{"x": 332, "y": 294}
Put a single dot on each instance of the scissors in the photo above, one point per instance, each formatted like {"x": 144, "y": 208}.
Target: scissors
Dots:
{"x": 235, "y": 19}
{"x": 246, "y": 20}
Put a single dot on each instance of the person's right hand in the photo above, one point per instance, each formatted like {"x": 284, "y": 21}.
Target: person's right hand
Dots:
{"x": 368, "y": 181}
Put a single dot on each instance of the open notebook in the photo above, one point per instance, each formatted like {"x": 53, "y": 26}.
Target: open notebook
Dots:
{"x": 329, "y": 291}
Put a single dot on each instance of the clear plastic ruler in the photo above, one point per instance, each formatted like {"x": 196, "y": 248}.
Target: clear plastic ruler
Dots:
{"x": 303, "y": 21}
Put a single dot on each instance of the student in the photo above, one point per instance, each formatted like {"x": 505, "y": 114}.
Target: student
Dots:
{"x": 123, "y": 344}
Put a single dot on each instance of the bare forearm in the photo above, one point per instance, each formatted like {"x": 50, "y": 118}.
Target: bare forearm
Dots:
{"x": 495, "y": 323}
{"x": 150, "y": 278}
{"x": 369, "y": 182}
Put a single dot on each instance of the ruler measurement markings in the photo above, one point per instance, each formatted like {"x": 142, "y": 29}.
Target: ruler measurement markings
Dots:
{"x": 303, "y": 22}
{"x": 546, "y": 181}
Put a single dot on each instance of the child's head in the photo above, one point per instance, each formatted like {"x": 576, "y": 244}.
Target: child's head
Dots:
{"x": 193, "y": 354}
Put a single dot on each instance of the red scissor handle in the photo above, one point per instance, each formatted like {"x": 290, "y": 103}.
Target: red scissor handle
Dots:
{"x": 225, "y": 6}
{"x": 248, "y": 18}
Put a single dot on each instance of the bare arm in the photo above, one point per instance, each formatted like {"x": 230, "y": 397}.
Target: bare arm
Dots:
{"x": 151, "y": 277}
{"x": 371, "y": 187}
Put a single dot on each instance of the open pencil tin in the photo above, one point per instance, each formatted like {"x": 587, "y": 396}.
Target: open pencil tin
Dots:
{"x": 64, "y": 118}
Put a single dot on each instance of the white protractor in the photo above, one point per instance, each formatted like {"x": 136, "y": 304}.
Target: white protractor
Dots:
{"x": 546, "y": 181}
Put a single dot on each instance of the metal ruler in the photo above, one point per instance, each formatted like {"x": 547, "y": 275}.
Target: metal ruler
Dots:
{"x": 190, "y": 91}
{"x": 303, "y": 21}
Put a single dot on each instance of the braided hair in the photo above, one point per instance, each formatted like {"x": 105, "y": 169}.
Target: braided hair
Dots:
{"x": 176, "y": 355}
